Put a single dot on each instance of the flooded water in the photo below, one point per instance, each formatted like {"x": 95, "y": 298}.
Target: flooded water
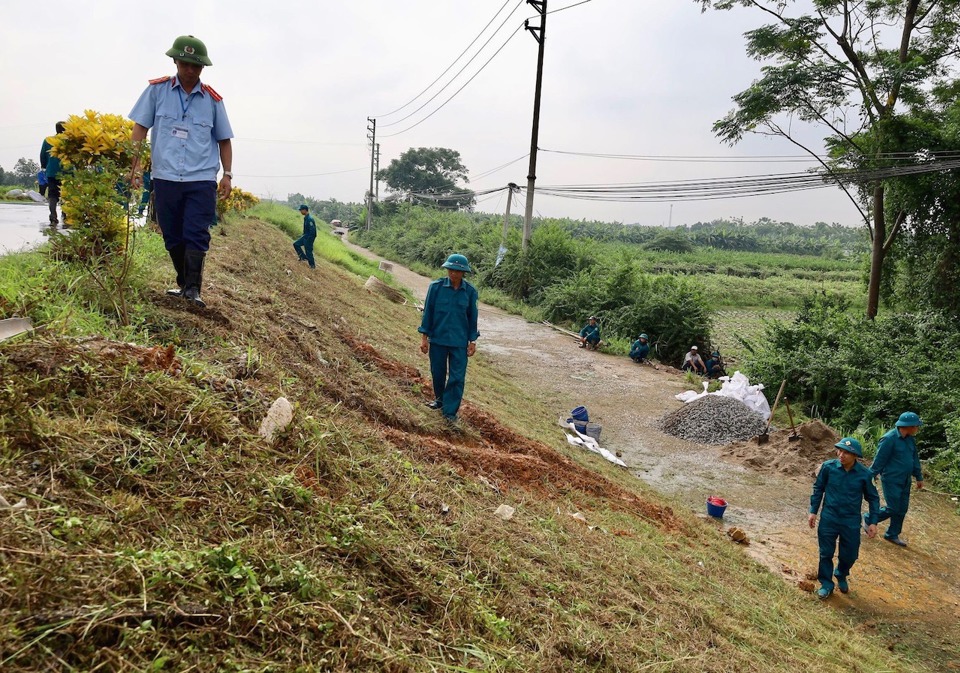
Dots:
{"x": 22, "y": 225}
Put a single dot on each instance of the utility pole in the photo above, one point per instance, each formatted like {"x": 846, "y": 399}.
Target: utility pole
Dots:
{"x": 376, "y": 173}
{"x": 671, "y": 216}
{"x": 372, "y": 137}
{"x": 502, "y": 252}
{"x": 511, "y": 188}
{"x": 540, "y": 35}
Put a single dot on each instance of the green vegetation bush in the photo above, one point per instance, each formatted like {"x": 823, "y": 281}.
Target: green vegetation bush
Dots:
{"x": 858, "y": 373}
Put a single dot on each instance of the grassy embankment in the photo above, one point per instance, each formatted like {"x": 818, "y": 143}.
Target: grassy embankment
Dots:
{"x": 162, "y": 533}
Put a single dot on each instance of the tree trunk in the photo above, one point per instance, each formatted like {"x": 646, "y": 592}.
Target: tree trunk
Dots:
{"x": 877, "y": 253}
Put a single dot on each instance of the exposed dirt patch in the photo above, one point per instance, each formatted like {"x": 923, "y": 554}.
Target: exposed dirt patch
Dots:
{"x": 798, "y": 458}
{"x": 486, "y": 448}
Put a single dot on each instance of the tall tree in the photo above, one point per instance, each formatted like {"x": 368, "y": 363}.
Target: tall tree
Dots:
{"x": 429, "y": 175}
{"x": 25, "y": 170}
{"x": 848, "y": 66}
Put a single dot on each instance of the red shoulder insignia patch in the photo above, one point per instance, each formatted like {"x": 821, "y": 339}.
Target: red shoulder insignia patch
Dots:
{"x": 213, "y": 94}
{"x": 161, "y": 80}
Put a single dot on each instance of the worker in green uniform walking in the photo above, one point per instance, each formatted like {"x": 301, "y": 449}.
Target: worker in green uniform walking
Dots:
{"x": 842, "y": 485}
{"x": 304, "y": 244}
{"x": 449, "y": 334}
{"x": 896, "y": 462}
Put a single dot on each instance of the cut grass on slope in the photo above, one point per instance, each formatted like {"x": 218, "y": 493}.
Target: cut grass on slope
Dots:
{"x": 162, "y": 533}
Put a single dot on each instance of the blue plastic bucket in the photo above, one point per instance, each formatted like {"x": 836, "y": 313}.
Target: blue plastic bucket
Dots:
{"x": 579, "y": 414}
{"x": 716, "y": 506}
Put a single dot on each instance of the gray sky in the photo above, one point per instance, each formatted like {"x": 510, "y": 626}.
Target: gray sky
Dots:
{"x": 299, "y": 78}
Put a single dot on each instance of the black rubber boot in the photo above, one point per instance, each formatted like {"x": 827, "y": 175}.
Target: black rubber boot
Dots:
{"x": 176, "y": 256}
{"x": 193, "y": 276}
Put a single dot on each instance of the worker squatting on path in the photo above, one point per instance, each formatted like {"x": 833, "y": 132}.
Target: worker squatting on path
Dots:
{"x": 896, "y": 462}
{"x": 449, "y": 334}
{"x": 590, "y": 334}
{"x": 693, "y": 362}
{"x": 304, "y": 244}
{"x": 640, "y": 349}
{"x": 189, "y": 138}
{"x": 841, "y": 485}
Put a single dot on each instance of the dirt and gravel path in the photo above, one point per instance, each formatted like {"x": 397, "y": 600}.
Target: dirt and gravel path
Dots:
{"x": 910, "y": 594}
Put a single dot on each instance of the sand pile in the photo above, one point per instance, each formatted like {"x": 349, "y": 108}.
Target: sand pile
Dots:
{"x": 799, "y": 459}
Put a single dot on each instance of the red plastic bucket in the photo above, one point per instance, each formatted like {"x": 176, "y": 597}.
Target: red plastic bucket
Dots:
{"x": 716, "y": 506}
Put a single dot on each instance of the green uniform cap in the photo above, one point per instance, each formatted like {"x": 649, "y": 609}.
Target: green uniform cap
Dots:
{"x": 189, "y": 49}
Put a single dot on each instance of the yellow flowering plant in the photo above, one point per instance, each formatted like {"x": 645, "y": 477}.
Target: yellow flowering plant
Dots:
{"x": 96, "y": 153}
{"x": 237, "y": 202}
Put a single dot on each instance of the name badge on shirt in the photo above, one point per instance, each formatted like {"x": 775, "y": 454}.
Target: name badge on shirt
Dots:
{"x": 180, "y": 132}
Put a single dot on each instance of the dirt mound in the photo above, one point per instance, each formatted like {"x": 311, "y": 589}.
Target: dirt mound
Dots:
{"x": 800, "y": 458}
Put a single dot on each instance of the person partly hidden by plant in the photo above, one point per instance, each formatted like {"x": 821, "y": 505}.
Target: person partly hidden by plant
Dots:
{"x": 50, "y": 167}
{"x": 190, "y": 137}
{"x": 842, "y": 485}
{"x": 590, "y": 334}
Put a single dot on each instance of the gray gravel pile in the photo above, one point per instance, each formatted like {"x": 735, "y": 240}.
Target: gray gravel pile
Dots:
{"x": 713, "y": 420}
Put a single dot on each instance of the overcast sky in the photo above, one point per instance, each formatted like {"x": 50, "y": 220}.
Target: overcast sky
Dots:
{"x": 300, "y": 78}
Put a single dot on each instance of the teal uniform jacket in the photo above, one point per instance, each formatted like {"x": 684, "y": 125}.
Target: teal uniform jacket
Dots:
{"x": 309, "y": 227}
{"x": 449, "y": 315}
{"x": 896, "y": 462}
{"x": 591, "y": 333}
{"x": 639, "y": 350}
{"x": 841, "y": 493}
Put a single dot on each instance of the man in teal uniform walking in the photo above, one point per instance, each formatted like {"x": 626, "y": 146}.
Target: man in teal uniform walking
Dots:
{"x": 304, "y": 244}
{"x": 449, "y": 334}
{"x": 896, "y": 462}
{"x": 841, "y": 486}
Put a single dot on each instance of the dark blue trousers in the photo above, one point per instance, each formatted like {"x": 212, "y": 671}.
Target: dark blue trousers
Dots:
{"x": 896, "y": 494}
{"x": 304, "y": 248}
{"x": 828, "y": 536}
{"x": 185, "y": 212}
{"x": 448, "y": 368}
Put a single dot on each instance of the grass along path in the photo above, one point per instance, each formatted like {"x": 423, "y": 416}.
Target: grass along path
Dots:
{"x": 910, "y": 598}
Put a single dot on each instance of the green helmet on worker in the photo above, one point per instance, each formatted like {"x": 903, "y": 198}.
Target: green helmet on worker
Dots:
{"x": 908, "y": 419}
{"x": 189, "y": 49}
{"x": 850, "y": 445}
{"x": 644, "y": 336}
{"x": 457, "y": 262}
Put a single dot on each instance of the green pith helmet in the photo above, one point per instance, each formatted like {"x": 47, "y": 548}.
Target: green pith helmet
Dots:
{"x": 303, "y": 206}
{"x": 189, "y": 49}
{"x": 908, "y": 419}
{"x": 457, "y": 263}
{"x": 644, "y": 336}
{"x": 850, "y": 445}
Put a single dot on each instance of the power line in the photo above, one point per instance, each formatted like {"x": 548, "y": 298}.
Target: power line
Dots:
{"x": 772, "y": 158}
{"x": 391, "y": 135}
{"x": 452, "y": 64}
{"x": 459, "y": 72}
{"x": 490, "y": 172}
{"x": 299, "y": 142}
{"x": 736, "y": 187}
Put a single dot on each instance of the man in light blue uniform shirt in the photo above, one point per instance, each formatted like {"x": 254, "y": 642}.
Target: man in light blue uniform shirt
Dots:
{"x": 189, "y": 138}
{"x": 449, "y": 334}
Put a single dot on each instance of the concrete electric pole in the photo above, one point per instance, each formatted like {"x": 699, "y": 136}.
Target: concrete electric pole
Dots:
{"x": 376, "y": 173}
{"x": 540, "y": 35}
{"x": 372, "y": 136}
